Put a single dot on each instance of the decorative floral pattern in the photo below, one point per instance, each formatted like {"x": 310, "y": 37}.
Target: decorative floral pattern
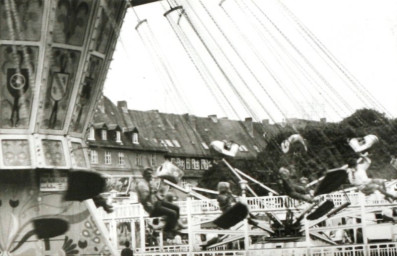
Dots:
{"x": 16, "y": 81}
{"x": 62, "y": 75}
{"x": 84, "y": 99}
{"x": 27, "y": 15}
{"x": 71, "y": 21}
{"x": 16, "y": 153}
{"x": 53, "y": 153}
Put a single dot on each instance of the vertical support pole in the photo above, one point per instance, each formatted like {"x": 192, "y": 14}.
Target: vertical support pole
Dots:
{"x": 133, "y": 238}
{"x": 161, "y": 241}
{"x": 113, "y": 232}
{"x": 307, "y": 235}
{"x": 354, "y": 220}
{"x": 189, "y": 218}
{"x": 142, "y": 228}
{"x": 243, "y": 186}
{"x": 363, "y": 222}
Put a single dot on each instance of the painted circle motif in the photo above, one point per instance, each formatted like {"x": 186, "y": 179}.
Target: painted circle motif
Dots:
{"x": 17, "y": 81}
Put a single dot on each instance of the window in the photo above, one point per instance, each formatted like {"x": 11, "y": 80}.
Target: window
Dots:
{"x": 135, "y": 139}
{"x": 176, "y": 143}
{"x": 169, "y": 143}
{"x": 118, "y": 136}
{"x": 104, "y": 135}
{"x": 121, "y": 158}
{"x": 155, "y": 140}
{"x": 162, "y": 142}
{"x": 91, "y": 135}
{"x": 204, "y": 164}
{"x": 93, "y": 156}
{"x": 180, "y": 163}
{"x": 204, "y": 145}
{"x": 153, "y": 161}
{"x": 139, "y": 160}
{"x": 243, "y": 148}
{"x": 195, "y": 164}
{"x": 188, "y": 167}
{"x": 108, "y": 157}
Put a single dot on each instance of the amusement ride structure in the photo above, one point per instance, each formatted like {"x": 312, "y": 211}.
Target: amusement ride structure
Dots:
{"x": 55, "y": 55}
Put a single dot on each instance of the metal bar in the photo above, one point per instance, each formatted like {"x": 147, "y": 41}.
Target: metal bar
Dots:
{"x": 256, "y": 181}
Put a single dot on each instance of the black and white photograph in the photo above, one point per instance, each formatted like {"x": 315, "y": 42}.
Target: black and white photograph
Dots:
{"x": 198, "y": 127}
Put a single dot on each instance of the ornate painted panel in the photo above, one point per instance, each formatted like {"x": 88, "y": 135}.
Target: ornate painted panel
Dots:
{"x": 16, "y": 152}
{"x": 110, "y": 16}
{"x": 60, "y": 82}
{"x": 21, "y": 19}
{"x": 78, "y": 155}
{"x": 71, "y": 21}
{"x": 54, "y": 153}
{"x": 83, "y": 236}
{"x": 17, "y": 80}
{"x": 85, "y": 95}
{"x": 21, "y": 202}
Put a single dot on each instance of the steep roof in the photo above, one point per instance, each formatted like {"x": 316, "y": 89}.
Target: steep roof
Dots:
{"x": 179, "y": 135}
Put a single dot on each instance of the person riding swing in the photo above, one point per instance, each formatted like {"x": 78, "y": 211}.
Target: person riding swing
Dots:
{"x": 227, "y": 201}
{"x": 154, "y": 204}
{"x": 357, "y": 174}
{"x": 291, "y": 189}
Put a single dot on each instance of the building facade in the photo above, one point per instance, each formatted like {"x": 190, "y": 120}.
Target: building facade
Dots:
{"x": 123, "y": 142}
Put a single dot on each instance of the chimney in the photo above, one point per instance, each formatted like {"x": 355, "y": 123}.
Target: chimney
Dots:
{"x": 265, "y": 122}
{"x": 323, "y": 120}
{"x": 123, "y": 105}
{"x": 213, "y": 118}
{"x": 249, "y": 126}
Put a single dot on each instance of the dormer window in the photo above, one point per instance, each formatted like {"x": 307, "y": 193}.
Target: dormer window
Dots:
{"x": 104, "y": 135}
{"x": 176, "y": 143}
{"x": 243, "y": 148}
{"x": 162, "y": 142}
{"x": 91, "y": 135}
{"x": 118, "y": 136}
{"x": 169, "y": 143}
{"x": 135, "y": 139}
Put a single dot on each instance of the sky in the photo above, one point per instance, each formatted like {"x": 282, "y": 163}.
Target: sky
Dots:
{"x": 254, "y": 59}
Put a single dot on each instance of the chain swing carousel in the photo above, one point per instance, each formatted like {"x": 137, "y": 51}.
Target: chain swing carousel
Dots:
{"x": 281, "y": 225}
{"x": 54, "y": 56}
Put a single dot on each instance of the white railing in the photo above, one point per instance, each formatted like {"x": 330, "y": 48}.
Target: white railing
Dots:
{"x": 269, "y": 203}
{"x": 166, "y": 248}
{"x": 381, "y": 249}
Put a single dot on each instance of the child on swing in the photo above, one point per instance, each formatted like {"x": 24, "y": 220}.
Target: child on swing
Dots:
{"x": 357, "y": 174}
{"x": 226, "y": 200}
{"x": 291, "y": 189}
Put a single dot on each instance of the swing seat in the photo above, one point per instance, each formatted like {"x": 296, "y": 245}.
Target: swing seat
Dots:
{"x": 333, "y": 179}
{"x": 231, "y": 217}
{"x": 221, "y": 148}
{"x": 170, "y": 172}
{"x": 362, "y": 144}
{"x": 286, "y": 144}
{"x": 321, "y": 210}
{"x": 83, "y": 185}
